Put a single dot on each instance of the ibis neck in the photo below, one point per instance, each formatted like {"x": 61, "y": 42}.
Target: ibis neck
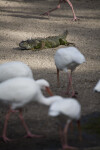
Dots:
{"x": 45, "y": 100}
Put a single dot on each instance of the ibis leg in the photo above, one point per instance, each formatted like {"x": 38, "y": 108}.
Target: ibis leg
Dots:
{"x": 58, "y": 82}
{"x": 75, "y": 18}
{"x": 79, "y": 128}
{"x": 65, "y": 134}
{"x": 4, "y": 136}
{"x": 29, "y": 134}
{"x": 57, "y": 7}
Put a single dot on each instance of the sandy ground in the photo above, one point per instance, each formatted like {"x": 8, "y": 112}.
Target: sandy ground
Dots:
{"x": 21, "y": 20}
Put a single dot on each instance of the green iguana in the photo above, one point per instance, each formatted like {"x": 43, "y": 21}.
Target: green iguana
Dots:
{"x": 49, "y": 42}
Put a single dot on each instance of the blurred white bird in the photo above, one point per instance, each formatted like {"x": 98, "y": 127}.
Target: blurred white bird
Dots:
{"x": 58, "y": 6}
{"x": 71, "y": 108}
{"x": 19, "y": 69}
{"x": 68, "y": 59}
{"x": 97, "y": 87}
{"x": 14, "y": 69}
{"x": 17, "y": 92}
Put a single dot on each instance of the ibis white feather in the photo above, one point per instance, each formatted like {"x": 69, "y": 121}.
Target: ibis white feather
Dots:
{"x": 14, "y": 69}
{"x": 22, "y": 90}
{"x": 97, "y": 87}
{"x": 68, "y": 58}
{"x": 72, "y": 109}
{"x": 16, "y": 92}
{"x": 66, "y": 106}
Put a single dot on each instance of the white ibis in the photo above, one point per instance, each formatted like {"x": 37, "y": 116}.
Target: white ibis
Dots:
{"x": 58, "y": 6}
{"x": 97, "y": 87}
{"x": 14, "y": 69}
{"x": 68, "y": 59}
{"x": 71, "y": 108}
{"x": 17, "y": 92}
{"x": 19, "y": 69}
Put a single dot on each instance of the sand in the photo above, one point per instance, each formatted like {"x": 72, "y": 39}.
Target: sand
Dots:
{"x": 21, "y": 20}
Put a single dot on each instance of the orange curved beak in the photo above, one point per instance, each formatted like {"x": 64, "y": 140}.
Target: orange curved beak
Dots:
{"x": 49, "y": 91}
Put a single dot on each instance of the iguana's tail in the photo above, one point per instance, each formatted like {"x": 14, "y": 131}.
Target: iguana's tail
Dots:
{"x": 64, "y": 35}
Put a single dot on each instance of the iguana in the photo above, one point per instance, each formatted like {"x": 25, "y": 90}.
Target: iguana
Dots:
{"x": 43, "y": 43}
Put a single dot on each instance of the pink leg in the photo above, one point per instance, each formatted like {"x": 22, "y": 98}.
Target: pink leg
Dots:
{"x": 58, "y": 6}
{"x": 68, "y": 86}
{"x": 58, "y": 83}
{"x": 29, "y": 134}
{"x": 5, "y": 126}
{"x": 75, "y": 18}
{"x": 71, "y": 126}
{"x": 70, "y": 80}
{"x": 5, "y": 138}
{"x": 79, "y": 127}
{"x": 61, "y": 135}
{"x": 65, "y": 133}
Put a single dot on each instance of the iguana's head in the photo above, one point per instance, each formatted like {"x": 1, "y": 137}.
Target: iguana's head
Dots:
{"x": 30, "y": 44}
{"x": 24, "y": 45}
